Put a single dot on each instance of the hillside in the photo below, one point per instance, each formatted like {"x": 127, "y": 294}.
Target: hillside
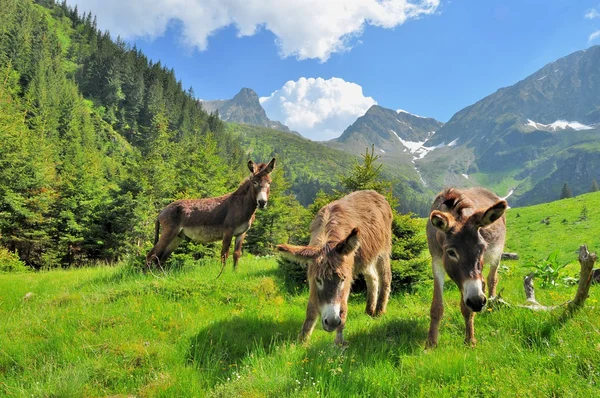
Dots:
{"x": 109, "y": 331}
{"x": 568, "y": 224}
{"x": 95, "y": 139}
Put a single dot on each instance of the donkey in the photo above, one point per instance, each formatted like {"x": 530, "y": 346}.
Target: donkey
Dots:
{"x": 211, "y": 219}
{"x": 466, "y": 229}
{"x": 349, "y": 236}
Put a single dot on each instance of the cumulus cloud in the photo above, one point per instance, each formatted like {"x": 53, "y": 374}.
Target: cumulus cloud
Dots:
{"x": 592, "y": 13}
{"x": 302, "y": 28}
{"x": 317, "y": 108}
{"x": 594, "y": 36}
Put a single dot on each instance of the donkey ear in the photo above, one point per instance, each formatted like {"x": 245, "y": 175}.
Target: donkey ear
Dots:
{"x": 493, "y": 213}
{"x": 442, "y": 221}
{"x": 270, "y": 166}
{"x": 301, "y": 254}
{"x": 251, "y": 166}
{"x": 349, "y": 244}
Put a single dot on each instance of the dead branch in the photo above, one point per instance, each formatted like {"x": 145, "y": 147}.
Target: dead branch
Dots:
{"x": 530, "y": 301}
{"x": 587, "y": 261}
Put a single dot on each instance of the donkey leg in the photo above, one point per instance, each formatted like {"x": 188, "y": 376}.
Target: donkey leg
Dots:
{"x": 372, "y": 280}
{"x": 492, "y": 279}
{"x": 312, "y": 313}
{"x": 226, "y": 244}
{"x": 159, "y": 248}
{"x": 437, "y": 305}
{"x": 237, "y": 253}
{"x": 339, "y": 336}
{"x": 169, "y": 249}
{"x": 469, "y": 327}
{"x": 385, "y": 284}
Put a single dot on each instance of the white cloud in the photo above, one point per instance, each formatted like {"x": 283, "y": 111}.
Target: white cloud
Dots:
{"x": 317, "y": 108}
{"x": 594, "y": 36}
{"x": 592, "y": 13}
{"x": 302, "y": 28}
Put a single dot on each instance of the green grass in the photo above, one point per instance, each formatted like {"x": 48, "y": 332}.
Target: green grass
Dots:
{"x": 500, "y": 182}
{"x": 111, "y": 330}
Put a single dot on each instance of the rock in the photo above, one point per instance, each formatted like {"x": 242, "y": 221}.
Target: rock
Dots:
{"x": 510, "y": 256}
{"x": 596, "y": 275}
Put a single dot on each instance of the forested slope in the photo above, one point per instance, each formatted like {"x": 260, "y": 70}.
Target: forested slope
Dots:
{"x": 95, "y": 138}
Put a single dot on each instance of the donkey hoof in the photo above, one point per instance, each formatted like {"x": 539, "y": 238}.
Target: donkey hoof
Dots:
{"x": 430, "y": 344}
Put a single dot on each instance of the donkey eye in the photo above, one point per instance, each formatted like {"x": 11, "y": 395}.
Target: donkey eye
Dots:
{"x": 452, "y": 254}
{"x": 255, "y": 183}
{"x": 319, "y": 281}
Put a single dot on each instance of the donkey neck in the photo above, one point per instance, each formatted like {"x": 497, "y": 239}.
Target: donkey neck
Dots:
{"x": 243, "y": 199}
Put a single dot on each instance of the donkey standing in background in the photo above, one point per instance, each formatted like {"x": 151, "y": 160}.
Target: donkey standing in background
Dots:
{"x": 350, "y": 236}
{"x": 466, "y": 229}
{"x": 211, "y": 219}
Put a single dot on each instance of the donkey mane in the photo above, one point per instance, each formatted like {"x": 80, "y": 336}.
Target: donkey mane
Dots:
{"x": 328, "y": 232}
{"x": 244, "y": 186}
{"x": 457, "y": 203}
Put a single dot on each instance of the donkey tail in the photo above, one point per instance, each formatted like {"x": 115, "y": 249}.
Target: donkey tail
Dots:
{"x": 156, "y": 230}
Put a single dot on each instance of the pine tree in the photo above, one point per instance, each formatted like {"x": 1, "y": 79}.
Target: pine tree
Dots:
{"x": 566, "y": 192}
{"x": 594, "y": 187}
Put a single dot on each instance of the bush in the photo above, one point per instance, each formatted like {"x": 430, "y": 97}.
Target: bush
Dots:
{"x": 10, "y": 262}
{"x": 293, "y": 275}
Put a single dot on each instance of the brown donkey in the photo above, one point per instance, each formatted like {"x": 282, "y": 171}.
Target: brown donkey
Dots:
{"x": 211, "y": 219}
{"x": 349, "y": 236}
{"x": 466, "y": 229}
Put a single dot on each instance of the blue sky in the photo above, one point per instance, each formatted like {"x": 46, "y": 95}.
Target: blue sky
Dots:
{"x": 432, "y": 60}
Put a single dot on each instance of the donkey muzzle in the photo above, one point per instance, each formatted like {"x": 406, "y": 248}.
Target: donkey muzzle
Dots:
{"x": 330, "y": 317}
{"x": 476, "y": 303}
{"x": 331, "y": 323}
{"x": 261, "y": 203}
{"x": 473, "y": 294}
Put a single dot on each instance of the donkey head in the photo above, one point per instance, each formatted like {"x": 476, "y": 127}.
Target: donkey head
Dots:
{"x": 261, "y": 181}
{"x": 464, "y": 248}
{"x": 329, "y": 275}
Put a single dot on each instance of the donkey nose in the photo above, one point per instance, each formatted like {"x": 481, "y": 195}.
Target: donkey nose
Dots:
{"x": 476, "y": 303}
{"x": 262, "y": 203}
{"x": 330, "y": 324}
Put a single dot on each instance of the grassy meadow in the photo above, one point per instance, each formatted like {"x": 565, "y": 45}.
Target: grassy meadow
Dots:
{"x": 112, "y": 331}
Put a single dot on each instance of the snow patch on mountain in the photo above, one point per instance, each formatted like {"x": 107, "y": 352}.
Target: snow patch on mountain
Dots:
{"x": 558, "y": 125}
{"x": 408, "y": 113}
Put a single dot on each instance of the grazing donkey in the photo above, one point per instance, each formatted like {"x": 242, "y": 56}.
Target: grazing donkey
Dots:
{"x": 349, "y": 236}
{"x": 466, "y": 229}
{"x": 211, "y": 219}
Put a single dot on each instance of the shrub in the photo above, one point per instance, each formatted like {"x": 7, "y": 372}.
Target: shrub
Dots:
{"x": 10, "y": 262}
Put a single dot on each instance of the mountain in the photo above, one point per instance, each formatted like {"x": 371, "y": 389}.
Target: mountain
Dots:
{"x": 387, "y": 129}
{"x": 529, "y": 138}
{"x": 244, "y": 108}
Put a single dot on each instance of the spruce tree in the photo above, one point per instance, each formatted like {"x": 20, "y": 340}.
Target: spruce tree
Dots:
{"x": 566, "y": 192}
